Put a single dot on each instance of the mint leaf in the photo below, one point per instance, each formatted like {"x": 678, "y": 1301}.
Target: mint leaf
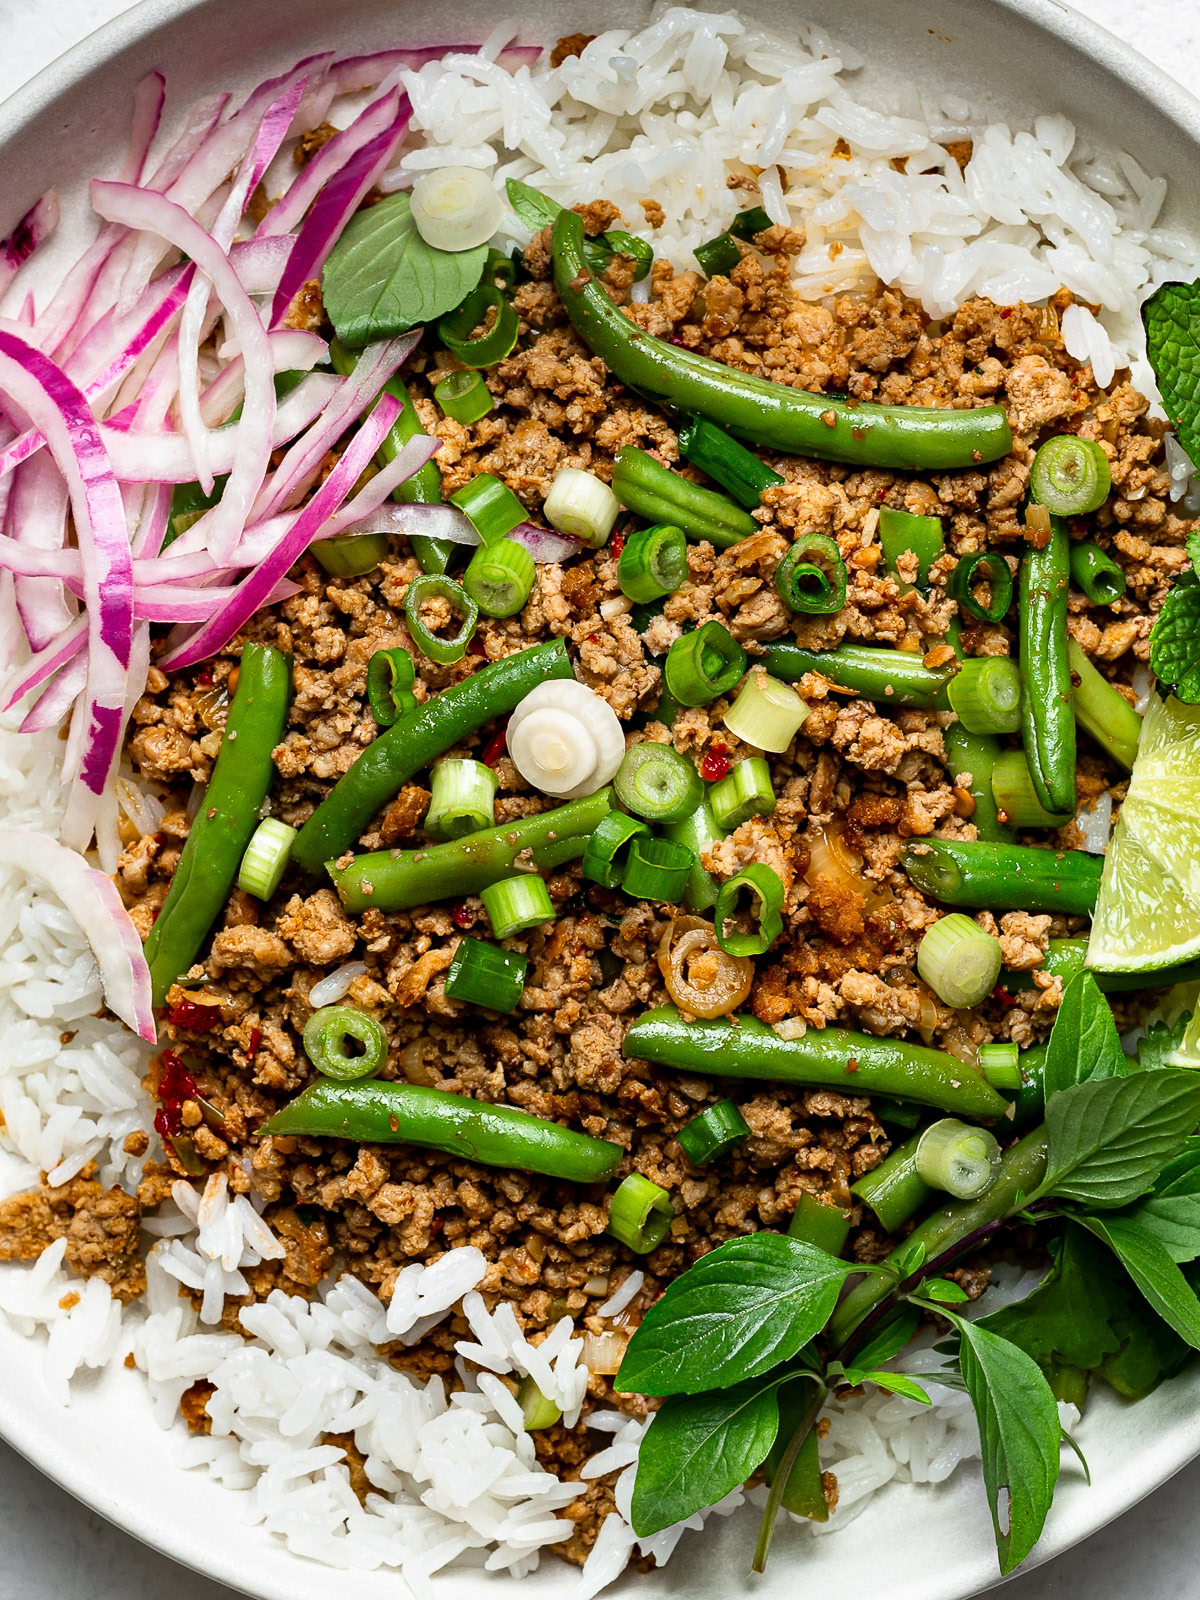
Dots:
{"x": 1084, "y": 1042}
{"x": 1019, "y": 1435}
{"x": 1175, "y": 640}
{"x": 1193, "y": 549}
{"x": 740, "y": 1310}
{"x": 1174, "y": 1220}
{"x": 1171, "y": 317}
{"x": 535, "y": 209}
{"x": 698, "y": 1448}
{"x": 1148, "y": 1262}
{"x": 382, "y": 278}
{"x": 1068, "y": 1319}
{"x": 1110, "y": 1137}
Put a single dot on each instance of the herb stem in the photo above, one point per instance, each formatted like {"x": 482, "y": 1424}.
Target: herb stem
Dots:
{"x": 782, "y": 1474}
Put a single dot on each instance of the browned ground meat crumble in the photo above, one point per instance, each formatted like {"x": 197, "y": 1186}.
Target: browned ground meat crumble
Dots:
{"x": 858, "y": 780}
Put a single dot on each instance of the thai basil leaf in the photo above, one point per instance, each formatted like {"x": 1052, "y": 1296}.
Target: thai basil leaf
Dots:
{"x": 698, "y": 1448}
{"x": 1111, "y": 1137}
{"x": 382, "y": 278}
{"x": 1084, "y": 1042}
{"x": 1174, "y": 1220}
{"x": 944, "y": 1291}
{"x": 890, "y": 1339}
{"x": 535, "y": 209}
{"x": 1148, "y": 1262}
{"x": 1067, "y": 1320}
{"x": 1019, "y": 1435}
{"x": 1181, "y": 1175}
{"x": 894, "y": 1382}
{"x": 739, "y": 1311}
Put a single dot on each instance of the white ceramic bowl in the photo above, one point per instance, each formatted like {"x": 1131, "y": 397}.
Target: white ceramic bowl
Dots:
{"x": 1017, "y": 57}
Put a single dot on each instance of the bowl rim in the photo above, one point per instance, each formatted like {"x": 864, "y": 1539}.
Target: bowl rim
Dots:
{"x": 1170, "y": 101}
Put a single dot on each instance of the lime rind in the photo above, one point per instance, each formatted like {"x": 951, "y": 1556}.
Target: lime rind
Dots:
{"x": 1143, "y": 919}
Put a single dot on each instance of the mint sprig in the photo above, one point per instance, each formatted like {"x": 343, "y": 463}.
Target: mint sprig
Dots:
{"x": 1175, "y": 640}
{"x": 1171, "y": 317}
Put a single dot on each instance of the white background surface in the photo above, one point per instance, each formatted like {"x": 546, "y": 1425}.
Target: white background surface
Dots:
{"x": 50, "y": 1546}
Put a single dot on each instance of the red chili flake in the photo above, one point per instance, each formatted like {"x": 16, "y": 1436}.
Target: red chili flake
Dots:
{"x": 436, "y": 1226}
{"x": 192, "y": 1015}
{"x": 617, "y": 543}
{"x": 1005, "y": 313}
{"x": 617, "y": 390}
{"x": 174, "y": 1087}
{"x": 715, "y": 765}
{"x": 1002, "y": 994}
{"x": 204, "y": 678}
{"x": 494, "y": 748}
{"x": 253, "y": 1043}
{"x": 460, "y": 916}
{"x": 881, "y": 494}
{"x": 476, "y": 646}
{"x": 593, "y": 638}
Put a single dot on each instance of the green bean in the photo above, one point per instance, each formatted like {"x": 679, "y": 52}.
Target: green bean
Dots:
{"x": 774, "y": 415}
{"x": 373, "y": 1111}
{"x": 1029, "y": 1106}
{"x": 1095, "y": 572}
{"x": 1047, "y": 720}
{"x": 699, "y": 832}
{"x": 424, "y": 488}
{"x": 976, "y": 754}
{"x": 894, "y": 1190}
{"x": 833, "y": 1058}
{"x": 394, "y": 880}
{"x": 228, "y": 816}
{"x": 1101, "y": 710}
{"x": 655, "y": 493}
{"x": 414, "y": 740}
{"x": 1022, "y": 1167}
{"x": 1004, "y": 877}
{"x": 888, "y": 677}
{"x": 819, "y": 1222}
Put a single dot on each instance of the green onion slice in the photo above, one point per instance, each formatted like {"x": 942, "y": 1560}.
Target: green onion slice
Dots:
{"x": 483, "y": 974}
{"x": 653, "y": 563}
{"x": 1017, "y": 802}
{"x": 435, "y": 586}
{"x": 985, "y": 693}
{"x": 463, "y": 799}
{"x": 811, "y": 578}
{"x": 718, "y": 256}
{"x": 640, "y": 1214}
{"x": 390, "y": 675}
{"x": 1096, "y": 573}
{"x": 607, "y": 850}
{"x": 351, "y": 555}
{"x": 491, "y": 506}
{"x": 266, "y": 858}
{"x": 982, "y": 566}
{"x": 746, "y": 792}
{"x": 901, "y": 531}
{"x": 766, "y": 891}
{"x": 516, "y": 904}
{"x": 766, "y": 713}
{"x": 656, "y": 782}
{"x": 716, "y": 1130}
{"x": 329, "y": 1039}
{"x": 657, "y": 869}
{"x": 747, "y": 223}
{"x": 1000, "y": 1065}
{"x": 535, "y": 1408}
{"x": 485, "y": 304}
{"x": 959, "y": 961}
{"x": 581, "y": 505}
{"x": 1070, "y": 476}
{"x": 727, "y": 461}
{"x": 464, "y": 397}
{"x": 500, "y": 577}
{"x": 499, "y": 266}
{"x": 959, "y": 1159}
{"x": 703, "y": 665}
{"x": 818, "y": 1222}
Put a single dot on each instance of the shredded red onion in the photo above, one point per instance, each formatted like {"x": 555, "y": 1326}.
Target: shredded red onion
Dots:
{"x": 43, "y": 663}
{"x": 34, "y": 228}
{"x": 289, "y": 212}
{"x": 543, "y": 545}
{"x": 52, "y": 705}
{"x": 431, "y": 522}
{"x": 38, "y": 518}
{"x": 259, "y": 263}
{"x": 148, "y": 100}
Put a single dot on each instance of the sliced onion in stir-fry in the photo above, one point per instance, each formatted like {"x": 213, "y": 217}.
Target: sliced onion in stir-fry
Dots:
{"x": 700, "y": 976}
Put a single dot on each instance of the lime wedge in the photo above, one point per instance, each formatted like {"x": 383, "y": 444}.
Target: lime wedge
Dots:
{"x": 1148, "y": 909}
{"x": 1188, "y": 1054}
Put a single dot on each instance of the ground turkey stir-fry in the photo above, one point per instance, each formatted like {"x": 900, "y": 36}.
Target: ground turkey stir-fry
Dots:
{"x": 853, "y": 788}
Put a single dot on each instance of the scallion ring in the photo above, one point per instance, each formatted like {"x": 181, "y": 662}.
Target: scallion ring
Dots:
{"x": 744, "y": 793}
{"x": 500, "y": 577}
{"x": 499, "y": 336}
{"x": 436, "y": 586}
{"x": 515, "y": 905}
{"x": 455, "y": 208}
{"x": 959, "y": 961}
{"x": 718, "y": 256}
{"x": 266, "y": 858}
{"x": 1094, "y": 572}
{"x": 703, "y": 665}
{"x": 655, "y": 782}
{"x": 640, "y": 1214}
{"x": 985, "y": 693}
{"x": 464, "y": 397}
{"x": 699, "y": 976}
{"x": 604, "y": 857}
{"x": 490, "y": 505}
{"x": 961, "y": 1160}
{"x": 463, "y": 799}
{"x": 767, "y": 713}
{"x": 581, "y": 505}
{"x": 330, "y": 1036}
{"x": 982, "y": 566}
{"x": 1017, "y": 802}
{"x": 657, "y": 869}
{"x": 766, "y": 890}
{"x": 535, "y": 1408}
{"x": 1000, "y": 1065}
{"x": 653, "y": 563}
{"x": 390, "y": 675}
{"x": 1070, "y": 476}
{"x": 483, "y": 974}
{"x": 713, "y": 1133}
{"x": 811, "y": 578}
{"x": 351, "y": 555}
